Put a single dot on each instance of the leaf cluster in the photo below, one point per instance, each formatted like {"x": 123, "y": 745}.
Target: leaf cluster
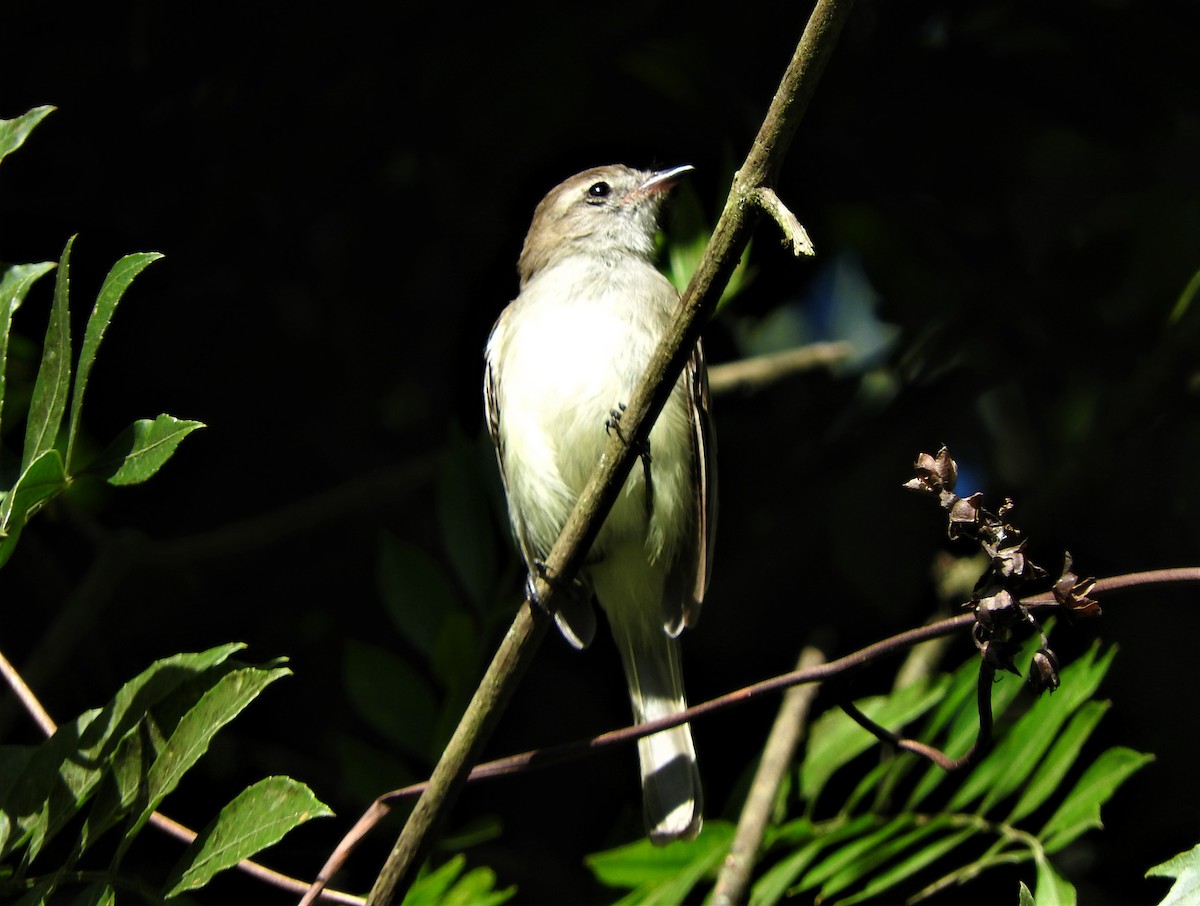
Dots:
{"x": 49, "y": 461}
{"x": 907, "y": 828}
{"x": 114, "y": 765}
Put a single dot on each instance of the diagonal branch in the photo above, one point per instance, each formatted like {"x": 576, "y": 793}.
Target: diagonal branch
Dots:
{"x": 699, "y": 301}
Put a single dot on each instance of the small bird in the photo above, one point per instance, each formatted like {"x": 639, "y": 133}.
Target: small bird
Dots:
{"x": 562, "y": 359}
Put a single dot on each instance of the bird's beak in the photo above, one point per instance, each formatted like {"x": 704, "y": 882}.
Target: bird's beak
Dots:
{"x": 662, "y": 180}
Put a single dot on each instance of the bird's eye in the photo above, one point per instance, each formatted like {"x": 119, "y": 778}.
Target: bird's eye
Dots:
{"x": 599, "y": 190}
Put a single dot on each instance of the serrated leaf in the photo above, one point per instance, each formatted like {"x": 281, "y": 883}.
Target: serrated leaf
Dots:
{"x": 15, "y": 283}
{"x": 228, "y": 697}
{"x": 62, "y": 773}
{"x": 111, "y": 291}
{"x": 1054, "y": 766}
{"x": 391, "y": 696}
{"x": 256, "y": 818}
{"x": 1185, "y": 869}
{"x": 1080, "y": 811}
{"x": 53, "y": 382}
{"x": 14, "y": 132}
{"x": 142, "y": 449}
{"x": 39, "y": 481}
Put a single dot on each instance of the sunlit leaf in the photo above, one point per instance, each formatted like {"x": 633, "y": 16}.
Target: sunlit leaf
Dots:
{"x": 1185, "y": 869}
{"x": 14, "y": 132}
{"x": 111, "y": 291}
{"x": 15, "y": 283}
{"x": 53, "y": 382}
{"x": 257, "y": 817}
{"x": 40, "y": 480}
{"x": 1058, "y": 761}
{"x": 192, "y": 736}
{"x": 1080, "y": 811}
{"x": 1052, "y": 889}
{"x": 142, "y": 449}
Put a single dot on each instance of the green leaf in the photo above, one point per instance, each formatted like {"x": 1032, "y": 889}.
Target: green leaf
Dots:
{"x": 965, "y": 726}
{"x": 227, "y": 698}
{"x": 1054, "y": 766}
{"x": 257, "y": 817}
{"x": 776, "y": 881}
{"x": 1080, "y": 811}
{"x": 14, "y": 286}
{"x": 909, "y": 866}
{"x": 1019, "y": 752}
{"x": 477, "y": 888}
{"x": 141, "y": 449}
{"x": 14, "y": 132}
{"x": 391, "y": 696}
{"x": 1185, "y": 869}
{"x": 868, "y": 850}
{"x": 836, "y": 739}
{"x": 64, "y": 771}
{"x": 663, "y": 877}
{"x": 443, "y": 887}
{"x": 430, "y": 888}
{"x": 40, "y": 480}
{"x": 1024, "y": 897}
{"x": 111, "y": 291}
{"x": 1051, "y": 889}
{"x": 53, "y": 381}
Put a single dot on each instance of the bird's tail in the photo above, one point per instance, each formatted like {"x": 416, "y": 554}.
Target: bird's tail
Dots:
{"x": 671, "y": 794}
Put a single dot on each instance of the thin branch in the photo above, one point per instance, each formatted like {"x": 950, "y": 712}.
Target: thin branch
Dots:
{"x": 983, "y": 739}
{"x": 772, "y": 767}
{"x": 25, "y": 695}
{"x": 758, "y": 372}
{"x": 795, "y": 236}
{"x": 699, "y": 301}
{"x": 812, "y": 674}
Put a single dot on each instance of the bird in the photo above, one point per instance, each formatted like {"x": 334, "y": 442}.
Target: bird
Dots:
{"x": 561, "y": 361}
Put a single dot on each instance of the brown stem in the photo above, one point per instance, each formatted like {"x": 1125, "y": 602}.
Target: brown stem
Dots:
{"x": 772, "y": 768}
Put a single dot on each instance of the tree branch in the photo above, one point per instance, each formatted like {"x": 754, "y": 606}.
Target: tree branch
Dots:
{"x": 772, "y": 767}
{"x": 699, "y": 301}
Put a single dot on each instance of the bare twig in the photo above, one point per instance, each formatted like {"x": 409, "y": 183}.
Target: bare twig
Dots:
{"x": 761, "y": 371}
{"x": 983, "y": 739}
{"x": 772, "y": 767}
{"x": 699, "y": 300}
{"x": 795, "y": 236}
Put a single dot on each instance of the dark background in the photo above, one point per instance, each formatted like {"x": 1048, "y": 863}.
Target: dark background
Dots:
{"x": 341, "y": 193}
